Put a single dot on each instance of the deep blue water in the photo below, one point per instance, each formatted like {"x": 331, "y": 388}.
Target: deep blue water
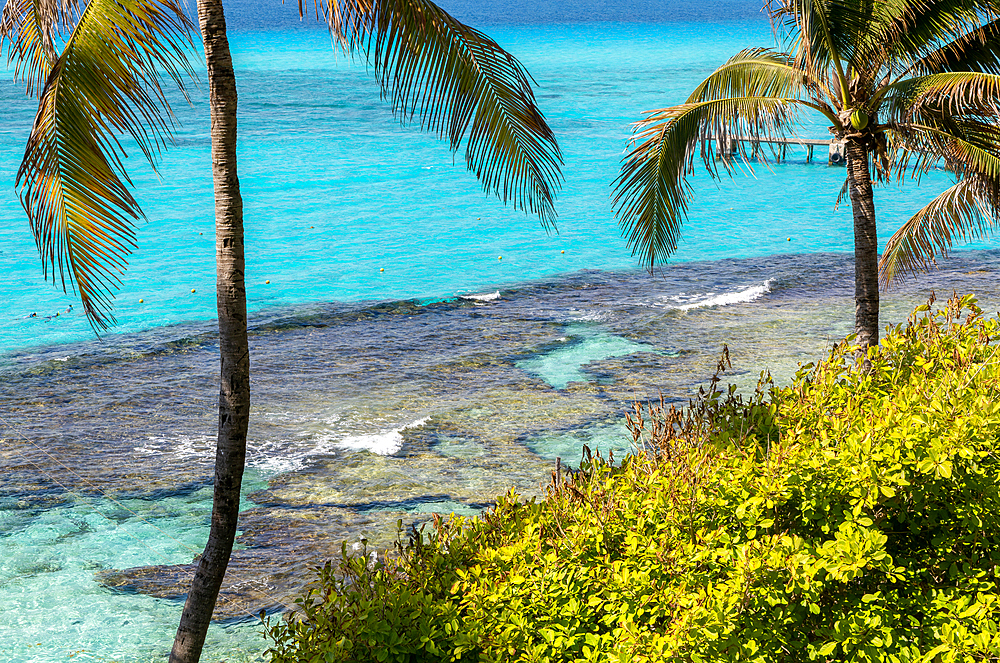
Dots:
{"x": 274, "y": 15}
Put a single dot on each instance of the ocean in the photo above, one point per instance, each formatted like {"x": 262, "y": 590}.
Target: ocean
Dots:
{"x": 485, "y": 350}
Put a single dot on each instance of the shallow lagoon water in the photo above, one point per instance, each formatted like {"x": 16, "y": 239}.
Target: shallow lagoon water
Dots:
{"x": 364, "y": 415}
{"x": 385, "y": 396}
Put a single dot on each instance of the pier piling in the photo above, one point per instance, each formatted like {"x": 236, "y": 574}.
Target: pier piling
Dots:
{"x": 727, "y": 146}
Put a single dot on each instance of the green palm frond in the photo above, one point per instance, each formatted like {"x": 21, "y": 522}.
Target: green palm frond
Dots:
{"x": 820, "y": 34}
{"x": 976, "y": 50}
{"x": 651, "y": 191}
{"x": 947, "y": 94}
{"x": 966, "y": 211}
{"x": 462, "y": 85}
{"x": 969, "y": 147}
{"x": 761, "y": 72}
{"x": 755, "y": 72}
{"x": 948, "y": 119}
{"x": 917, "y": 33}
{"x": 29, "y": 44}
{"x": 104, "y": 84}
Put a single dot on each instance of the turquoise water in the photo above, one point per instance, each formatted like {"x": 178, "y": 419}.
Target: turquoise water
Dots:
{"x": 369, "y": 407}
{"x": 53, "y": 609}
{"x": 336, "y": 190}
{"x": 582, "y": 345}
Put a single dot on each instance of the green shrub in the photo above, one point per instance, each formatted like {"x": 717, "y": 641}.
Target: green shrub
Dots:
{"x": 852, "y": 516}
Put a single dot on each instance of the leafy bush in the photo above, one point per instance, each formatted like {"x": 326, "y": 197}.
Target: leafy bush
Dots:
{"x": 853, "y": 516}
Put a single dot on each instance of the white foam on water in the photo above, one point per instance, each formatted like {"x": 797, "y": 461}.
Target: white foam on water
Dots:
{"x": 270, "y": 457}
{"x": 485, "y": 297}
{"x": 184, "y": 447}
{"x": 587, "y": 315}
{"x": 707, "y": 299}
{"x": 383, "y": 444}
{"x": 278, "y": 457}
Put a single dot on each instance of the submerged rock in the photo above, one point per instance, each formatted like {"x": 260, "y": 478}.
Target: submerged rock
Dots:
{"x": 466, "y": 399}
{"x": 278, "y": 552}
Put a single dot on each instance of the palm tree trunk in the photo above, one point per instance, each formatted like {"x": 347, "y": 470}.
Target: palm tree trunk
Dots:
{"x": 234, "y": 390}
{"x": 865, "y": 245}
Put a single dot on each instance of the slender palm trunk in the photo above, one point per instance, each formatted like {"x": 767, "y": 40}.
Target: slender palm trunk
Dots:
{"x": 865, "y": 245}
{"x": 234, "y": 390}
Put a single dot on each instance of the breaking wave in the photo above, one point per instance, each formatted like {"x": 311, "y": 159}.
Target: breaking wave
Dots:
{"x": 722, "y": 299}
{"x": 383, "y": 444}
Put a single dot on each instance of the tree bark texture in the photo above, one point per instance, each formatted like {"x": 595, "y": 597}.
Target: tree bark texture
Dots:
{"x": 865, "y": 245}
{"x": 234, "y": 389}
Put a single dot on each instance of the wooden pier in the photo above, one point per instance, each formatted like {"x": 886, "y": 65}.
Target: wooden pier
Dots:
{"x": 836, "y": 155}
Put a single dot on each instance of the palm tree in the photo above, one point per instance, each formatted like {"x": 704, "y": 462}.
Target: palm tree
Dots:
{"x": 908, "y": 85}
{"x": 105, "y": 82}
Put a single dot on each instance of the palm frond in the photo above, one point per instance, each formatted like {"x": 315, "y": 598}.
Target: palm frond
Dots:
{"x": 964, "y": 212}
{"x": 651, "y": 191}
{"x": 976, "y": 50}
{"x": 755, "y": 72}
{"x": 912, "y": 34}
{"x": 104, "y": 84}
{"x": 28, "y": 43}
{"x": 842, "y": 194}
{"x": 821, "y": 34}
{"x": 950, "y": 118}
{"x": 951, "y": 94}
{"x": 463, "y": 86}
{"x": 968, "y": 147}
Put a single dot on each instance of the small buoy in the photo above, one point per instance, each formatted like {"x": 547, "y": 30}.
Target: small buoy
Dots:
{"x": 201, "y": 233}
{"x": 562, "y": 252}
{"x": 140, "y": 301}
{"x": 267, "y": 282}
{"x": 499, "y": 257}
{"x": 310, "y": 227}
{"x": 192, "y": 289}
{"x": 789, "y": 239}
{"x": 382, "y": 270}
{"x": 479, "y": 218}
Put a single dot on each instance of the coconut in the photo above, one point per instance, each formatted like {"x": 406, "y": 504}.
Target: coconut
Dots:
{"x": 859, "y": 119}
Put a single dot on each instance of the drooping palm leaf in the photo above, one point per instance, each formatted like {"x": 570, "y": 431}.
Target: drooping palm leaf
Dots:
{"x": 947, "y": 119}
{"x": 966, "y": 211}
{"x": 950, "y": 118}
{"x": 651, "y": 191}
{"x": 29, "y": 44}
{"x": 105, "y": 83}
{"x": 968, "y": 147}
{"x": 754, "y": 72}
{"x": 761, "y": 72}
{"x": 460, "y": 84}
{"x": 951, "y": 94}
